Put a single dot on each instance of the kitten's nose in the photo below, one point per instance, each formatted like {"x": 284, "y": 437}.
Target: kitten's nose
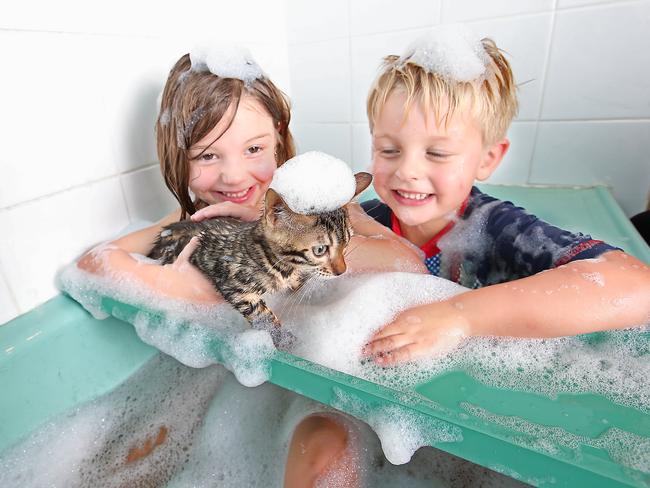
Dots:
{"x": 338, "y": 266}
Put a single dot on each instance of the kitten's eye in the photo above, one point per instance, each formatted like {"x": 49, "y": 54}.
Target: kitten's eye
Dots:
{"x": 319, "y": 250}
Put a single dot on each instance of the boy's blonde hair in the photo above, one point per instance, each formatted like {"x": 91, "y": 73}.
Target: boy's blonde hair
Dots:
{"x": 491, "y": 100}
{"x": 193, "y": 102}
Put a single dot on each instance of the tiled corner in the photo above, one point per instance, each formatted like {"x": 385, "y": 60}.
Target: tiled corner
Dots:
{"x": 375, "y": 16}
{"x": 8, "y": 308}
{"x": 147, "y": 197}
{"x": 367, "y": 53}
{"x": 332, "y": 139}
{"x": 596, "y": 67}
{"x": 466, "y": 10}
{"x": 69, "y": 223}
{"x": 515, "y": 166}
{"x": 53, "y": 114}
{"x": 320, "y": 81}
{"x": 583, "y": 153}
{"x": 316, "y": 21}
{"x": 524, "y": 41}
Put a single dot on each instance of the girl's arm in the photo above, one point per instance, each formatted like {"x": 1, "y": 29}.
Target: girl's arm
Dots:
{"x": 375, "y": 248}
{"x": 583, "y": 296}
{"x": 179, "y": 280}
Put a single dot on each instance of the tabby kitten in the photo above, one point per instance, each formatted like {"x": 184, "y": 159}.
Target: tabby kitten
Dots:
{"x": 244, "y": 260}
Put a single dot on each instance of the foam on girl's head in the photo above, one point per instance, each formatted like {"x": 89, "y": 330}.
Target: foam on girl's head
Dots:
{"x": 314, "y": 182}
{"x": 226, "y": 62}
{"x": 450, "y": 51}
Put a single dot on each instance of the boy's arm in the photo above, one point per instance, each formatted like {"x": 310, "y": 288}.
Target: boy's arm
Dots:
{"x": 582, "y": 296}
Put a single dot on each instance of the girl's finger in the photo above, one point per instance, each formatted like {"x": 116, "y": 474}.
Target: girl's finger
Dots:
{"x": 398, "y": 356}
{"x": 187, "y": 251}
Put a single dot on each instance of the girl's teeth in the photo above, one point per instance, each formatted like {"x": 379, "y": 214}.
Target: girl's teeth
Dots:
{"x": 239, "y": 194}
{"x": 412, "y": 196}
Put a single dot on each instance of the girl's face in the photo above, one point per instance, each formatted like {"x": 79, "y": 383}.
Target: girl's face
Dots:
{"x": 238, "y": 167}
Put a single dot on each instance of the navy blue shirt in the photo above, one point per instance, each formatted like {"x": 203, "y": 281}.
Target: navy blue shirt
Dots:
{"x": 493, "y": 241}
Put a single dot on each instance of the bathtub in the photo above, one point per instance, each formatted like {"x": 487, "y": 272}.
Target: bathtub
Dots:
{"x": 57, "y": 356}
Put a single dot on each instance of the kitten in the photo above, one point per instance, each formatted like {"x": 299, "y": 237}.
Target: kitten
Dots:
{"x": 282, "y": 250}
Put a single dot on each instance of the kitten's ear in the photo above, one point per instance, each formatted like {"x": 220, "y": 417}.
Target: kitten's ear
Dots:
{"x": 363, "y": 180}
{"x": 273, "y": 205}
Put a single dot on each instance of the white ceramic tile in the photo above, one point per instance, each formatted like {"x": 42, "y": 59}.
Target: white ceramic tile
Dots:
{"x": 147, "y": 197}
{"x": 367, "y": 54}
{"x": 54, "y": 118}
{"x": 464, "y": 10}
{"x": 332, "y": 139}
{"x": 376, "y": 16}
{"x": 583, "y": 153}
{"x": 68, "y": 224}
{"x": 599, "y": 63}
{"x": 8, "y": 308}
{"x": 317, "y": 21}
{"x": 515, "y": 165}
{"x": 581, "y": 3}
{"x": 525, "y": 42}
{"x": 320, "y": 81}
{"x": 361, "y": 148}
{"x": 253, "y": 20}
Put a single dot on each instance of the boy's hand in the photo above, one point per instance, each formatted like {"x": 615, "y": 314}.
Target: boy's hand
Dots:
{"x": 227, "y": 209}
{"x": 427, "y": 330}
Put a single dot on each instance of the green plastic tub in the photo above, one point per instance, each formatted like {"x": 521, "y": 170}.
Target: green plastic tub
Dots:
{"x": 58, "y": 356}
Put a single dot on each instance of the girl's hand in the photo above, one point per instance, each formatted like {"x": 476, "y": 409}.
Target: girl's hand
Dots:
{"x": 227, "y": 209}
{"x": 182, "y": 280}
{"x": 427, "y": 330}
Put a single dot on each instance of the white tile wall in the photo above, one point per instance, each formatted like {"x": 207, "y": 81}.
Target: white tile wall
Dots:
{"x": 147, "y": 197}
{"x": 466, "y": 10}
{"x": 50, "y": 232}
{"x": 376, "y": 16}
{"x": 611, "y": 153}
{"x": 320, "y": 81}
{"x": 317, "y": 21}
{"x": 8, "y": 307}
{"x": 599, "y": 67}
{"x": 361, "y": 147}
{"x": 79, "y": 100}
{"x": 333, "y": 139}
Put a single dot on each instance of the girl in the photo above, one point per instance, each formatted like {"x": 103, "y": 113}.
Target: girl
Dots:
{"x": 219, "y": 141}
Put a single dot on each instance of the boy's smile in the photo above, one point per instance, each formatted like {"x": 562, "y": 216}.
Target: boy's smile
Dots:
{"x": 423, "y": 170}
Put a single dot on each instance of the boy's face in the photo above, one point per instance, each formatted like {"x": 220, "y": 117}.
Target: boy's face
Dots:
{"x": 424, "y": 171}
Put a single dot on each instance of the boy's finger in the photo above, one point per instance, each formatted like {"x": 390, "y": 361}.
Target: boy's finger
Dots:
{"x": 398, "y": 356}
{"x": 386, "y": 344}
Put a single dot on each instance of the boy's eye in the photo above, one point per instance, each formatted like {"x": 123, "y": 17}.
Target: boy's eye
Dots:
{"x": 437, "y": 155}
{"x": 254, "y": 149}
{"x": 389, "y": 152}
{"x": 319, "y": 250}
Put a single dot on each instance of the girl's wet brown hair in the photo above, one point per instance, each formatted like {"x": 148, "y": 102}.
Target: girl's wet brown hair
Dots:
{"x": 192, "y": 104}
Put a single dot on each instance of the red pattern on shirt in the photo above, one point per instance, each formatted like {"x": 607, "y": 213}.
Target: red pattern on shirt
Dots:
{"x": 430, "y": 247}
{"x": 583, "y": 246}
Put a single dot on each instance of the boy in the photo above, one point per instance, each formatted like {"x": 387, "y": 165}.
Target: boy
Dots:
{"x": 438, "y": 119}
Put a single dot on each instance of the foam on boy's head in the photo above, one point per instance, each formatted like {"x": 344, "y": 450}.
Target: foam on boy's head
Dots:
{"x": 447, "y": 70}
{"x": 226, "y": 62}
{"x": 314, "y": 182}
{"x": 450, "y": 51}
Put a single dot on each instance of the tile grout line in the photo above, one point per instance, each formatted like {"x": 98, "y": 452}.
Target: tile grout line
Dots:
{"x": 76, "y": 187}
{"x": 544, "y": 88}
